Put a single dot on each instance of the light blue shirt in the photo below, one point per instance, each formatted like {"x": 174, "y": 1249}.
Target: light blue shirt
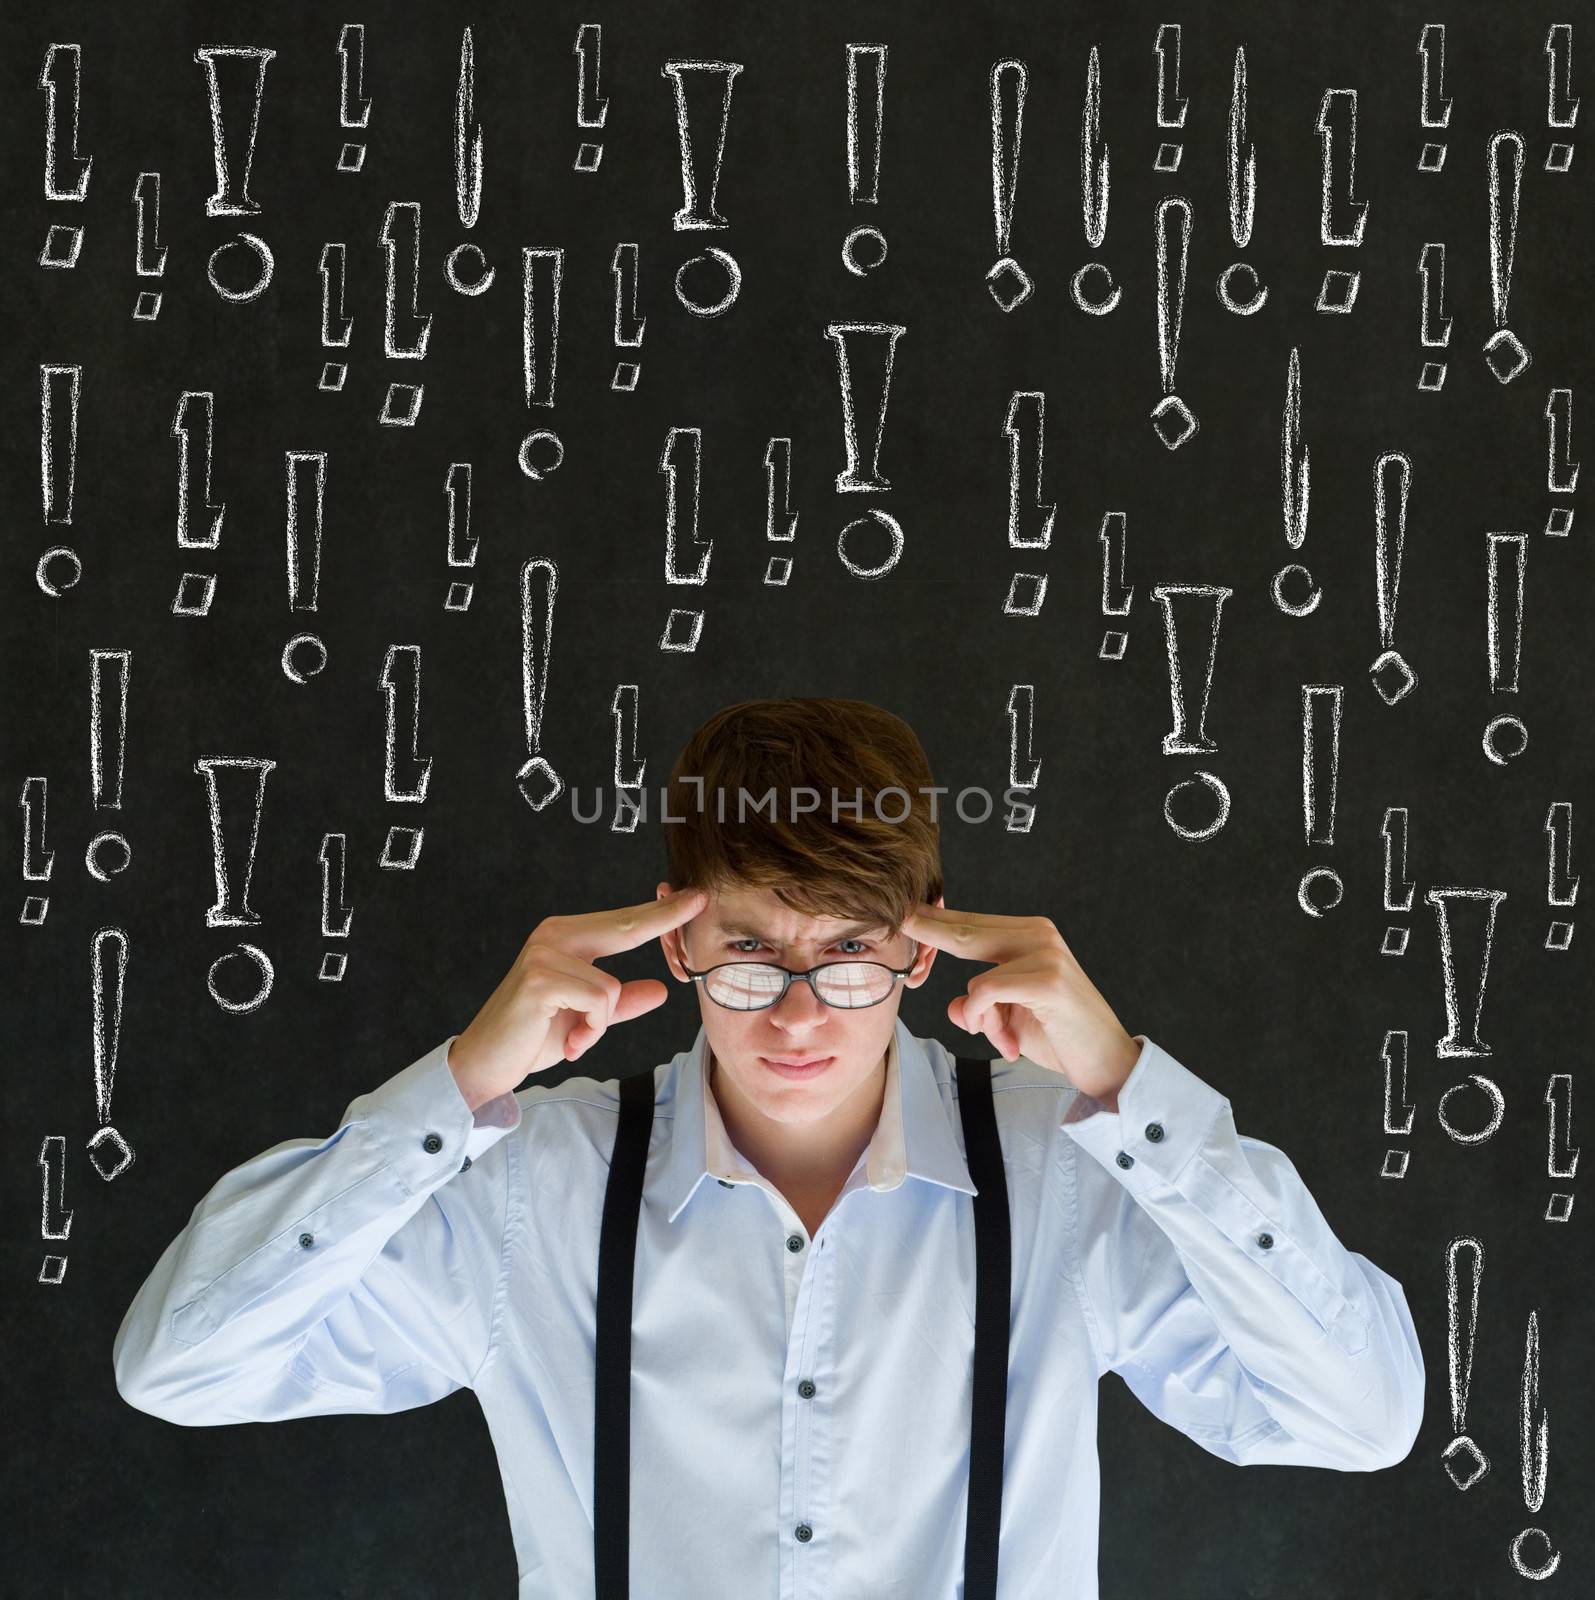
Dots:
{"x": 421, "y": 1248}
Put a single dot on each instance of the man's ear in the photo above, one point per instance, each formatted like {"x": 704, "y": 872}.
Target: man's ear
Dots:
{"x": 670, "y": 941}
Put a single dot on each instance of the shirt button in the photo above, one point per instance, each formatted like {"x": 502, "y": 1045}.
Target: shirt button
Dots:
{"x": 431, "y": 1144}
{"x": 726, "y": 1183}
{"x": 806, "y": 1388}
{"x": 1154, "y": 1131}
{"x": 804, "y": 1532}
{"x": 1125, "y": 1159}
{"x": 1266, "y": 1240}
{"x": 794, "y": 1242}
{"x": 465, "y": 1163}
{"x": 306, "y": 1240}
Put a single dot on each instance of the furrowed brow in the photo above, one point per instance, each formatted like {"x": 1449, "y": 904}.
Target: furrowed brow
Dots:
{"x": 744, "y": 930}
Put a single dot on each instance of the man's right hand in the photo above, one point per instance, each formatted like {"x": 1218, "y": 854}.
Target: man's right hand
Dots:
{"x": 553, "y": 1004}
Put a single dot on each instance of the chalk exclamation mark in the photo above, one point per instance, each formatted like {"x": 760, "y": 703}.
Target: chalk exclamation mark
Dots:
{"x": 864, "y": 249}
{"x": 537, "y": 779}
{"x": 465, "y": 269}
{"x": 1465, "y": 1463}
{"x": 109, "y": 1152}
{"x": 1008, "y": 283}
{"x": 1561, "y": 105}
{"x": 66, "y": 173}
{"x": 354, "y": 108}
{"x": 1243, "y": 298}
{"x": 1392, "y": 479}
{"x": 1503, "y": 350}
{"x": 592, "y": 109}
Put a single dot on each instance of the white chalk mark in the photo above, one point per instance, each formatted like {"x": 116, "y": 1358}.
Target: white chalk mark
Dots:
{"x": 59, "y": 390}
{"x": 457, "y": 503}
{"x": 1561, "y": 471}
{"x": 682, "y": 457}
{"x": 1534, "y": 1423}
{"x": 1171, "y": 104}
{"x": 1093, "y": 157}
{"x": 1561, "y": 887}
{"x": 1393, "y": 830}
{"x": 1464, "y": 1461}
{"x": 354, "y": 107}
{"x": 1294, "y": 464}
{"x": 337, "y": 915}
{"x": 1211, "y": 787}
{"x": 1506, "y": 558}
{"x": 541, "y": 272}
{"x": 467, "y": 139}
{"x": 872, "y": 519}
{"x": 1434, "y": 104}
{"x": 405, "y": 215}
{"x": 1447, "y": 899}
{"x": 780, "y": 520}
{"x": 1030, "y": 517}
{"x": 60, "y": 77}
{"x": 629, "y": 768}
{"x": 1242, "y": 173}
{"x": 305, "y": 477}
{"x": 1320, "y": 759}
{"x": 1399, "y": 1109}
{"x": 1204, "y": 601}
{"x": 698, "y": 207}
{"x": 1561, "y": 106}
{"x": 1024, "y": 769}
{"x": 336, "y": 326}
{"x": 1337, "y": 135}
{"x": 264, "y": 262}
{"x": 1009, "y": 284}
{"x": 232, "y": 197}
{"x": 401, "y": 676}
{"x": 149, "y": 255}
{"x": 871, "y": 346}
{"x": 624, "y": 269}
{"x": 108, "y": 724}
{"x": 1434, "y": 329}
{"x": 199, "y": 518}
{"x": 1113, "y": 541}
{"x": 864, "y": 126}
{"x": 236, "y": 863}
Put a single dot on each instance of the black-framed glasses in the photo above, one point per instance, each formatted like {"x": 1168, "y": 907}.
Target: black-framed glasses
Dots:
{"x": 755, "y": 985}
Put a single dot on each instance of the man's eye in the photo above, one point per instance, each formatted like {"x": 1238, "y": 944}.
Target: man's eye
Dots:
{"x": 862, "y": 943}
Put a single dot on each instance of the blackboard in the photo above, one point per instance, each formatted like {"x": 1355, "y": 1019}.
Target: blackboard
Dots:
{"x": 329, "y": 587}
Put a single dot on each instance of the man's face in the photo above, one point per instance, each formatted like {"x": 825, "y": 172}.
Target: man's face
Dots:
{"x": 753, "y": 925}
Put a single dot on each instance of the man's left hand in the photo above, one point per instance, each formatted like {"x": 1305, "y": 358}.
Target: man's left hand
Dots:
{"x": 1035, "y": 1001}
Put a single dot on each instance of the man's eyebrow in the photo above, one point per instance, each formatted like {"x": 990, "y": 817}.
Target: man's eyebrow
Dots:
{"x": 748, "y": 931}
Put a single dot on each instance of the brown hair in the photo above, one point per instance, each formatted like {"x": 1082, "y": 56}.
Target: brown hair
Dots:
{"x": 864, "y": 867}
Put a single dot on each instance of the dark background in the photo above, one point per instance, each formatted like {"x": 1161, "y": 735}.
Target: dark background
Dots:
{"x": 1202, "y": 946}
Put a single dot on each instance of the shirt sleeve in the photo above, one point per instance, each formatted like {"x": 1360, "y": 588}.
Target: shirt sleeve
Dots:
{"x": 1218, "y": 1292}
{"x": 354, "y": 1273}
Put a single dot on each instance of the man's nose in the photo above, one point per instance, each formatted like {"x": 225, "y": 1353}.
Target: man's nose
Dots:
{"x": 800, "y": 1005}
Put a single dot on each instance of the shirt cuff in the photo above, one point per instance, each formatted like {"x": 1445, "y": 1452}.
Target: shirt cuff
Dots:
{"x": 1165, "y": 1113}
{"x": 425, "y": 1126}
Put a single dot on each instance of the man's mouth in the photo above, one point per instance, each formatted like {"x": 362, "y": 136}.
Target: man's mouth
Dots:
{"x": 802, "y": 1066}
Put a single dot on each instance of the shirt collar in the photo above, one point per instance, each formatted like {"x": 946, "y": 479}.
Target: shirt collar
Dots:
{"x": 914, "y": 1137}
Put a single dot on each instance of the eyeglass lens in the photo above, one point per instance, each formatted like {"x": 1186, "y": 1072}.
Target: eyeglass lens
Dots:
{"x": 751, "y": 985}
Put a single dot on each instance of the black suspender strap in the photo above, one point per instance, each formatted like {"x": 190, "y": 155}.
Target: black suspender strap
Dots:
{"x": 617, "y": 1254}
{"x": 993, "y": 1276}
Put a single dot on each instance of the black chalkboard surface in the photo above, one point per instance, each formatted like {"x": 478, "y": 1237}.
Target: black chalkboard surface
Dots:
{"x": 420, "y": 419}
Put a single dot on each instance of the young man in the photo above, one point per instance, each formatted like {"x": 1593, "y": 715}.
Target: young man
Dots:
{"x": 797, "y": 1404}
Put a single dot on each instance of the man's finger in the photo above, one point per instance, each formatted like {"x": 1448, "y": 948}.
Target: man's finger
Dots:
{"x": 972, "y": 935}
{"x": 605, "y": 933}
